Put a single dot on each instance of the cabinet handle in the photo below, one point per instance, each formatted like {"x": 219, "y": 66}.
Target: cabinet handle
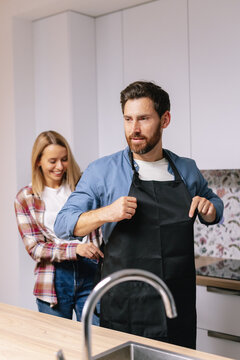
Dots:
{"x": 220, "y": 335}
{"x": 223, "y": 291}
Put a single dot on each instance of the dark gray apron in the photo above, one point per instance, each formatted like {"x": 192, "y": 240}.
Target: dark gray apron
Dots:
{"x": 158, "y": 238}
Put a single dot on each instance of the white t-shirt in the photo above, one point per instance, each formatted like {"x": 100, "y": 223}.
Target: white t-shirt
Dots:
{"x": 54, "y": 200}
{"x": 156, "y": 170}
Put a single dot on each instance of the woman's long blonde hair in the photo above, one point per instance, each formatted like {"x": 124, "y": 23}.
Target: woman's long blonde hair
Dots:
{"x": 44, "y": 139}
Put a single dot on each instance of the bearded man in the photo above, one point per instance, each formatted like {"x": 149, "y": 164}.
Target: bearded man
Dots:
{"x": 145, "y": 199}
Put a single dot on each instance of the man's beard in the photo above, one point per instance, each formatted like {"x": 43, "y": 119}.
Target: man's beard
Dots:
{"x": 142, "y": 149}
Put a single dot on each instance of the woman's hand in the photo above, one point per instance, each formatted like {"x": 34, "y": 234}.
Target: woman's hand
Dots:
{"x": 89, "y": 250}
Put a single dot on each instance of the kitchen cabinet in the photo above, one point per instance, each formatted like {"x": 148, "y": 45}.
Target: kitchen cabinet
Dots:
{"x": 214, "y": 55}
{"x": 190, "y": 48}
{"x": 218, "y": 320}
{"x": 155, "y": 48}
{"x": 205, "y": 342}
{"x": 147, "y": 42}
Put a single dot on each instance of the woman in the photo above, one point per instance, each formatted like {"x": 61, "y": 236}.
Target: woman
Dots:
{"x": 64, "y": 270}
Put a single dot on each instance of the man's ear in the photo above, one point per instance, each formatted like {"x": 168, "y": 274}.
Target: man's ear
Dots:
{"x": 165, "y": 119}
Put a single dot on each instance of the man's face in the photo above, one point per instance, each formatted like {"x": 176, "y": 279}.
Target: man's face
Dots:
{"x": 142, "y": 125}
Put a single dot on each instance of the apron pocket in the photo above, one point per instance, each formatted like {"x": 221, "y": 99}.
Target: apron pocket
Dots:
{"x": 177, "y": 250}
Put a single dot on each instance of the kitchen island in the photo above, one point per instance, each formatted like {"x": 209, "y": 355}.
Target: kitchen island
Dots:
{"x": 30, "y": 335}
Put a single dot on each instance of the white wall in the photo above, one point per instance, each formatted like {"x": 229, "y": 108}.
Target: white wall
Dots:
{"x": 9, "y": 259}
{"x": 25, "y": 133}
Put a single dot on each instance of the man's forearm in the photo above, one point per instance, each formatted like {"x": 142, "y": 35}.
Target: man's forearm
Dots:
{"x": 90, "y": 221}
{"x": 122, "y": 208}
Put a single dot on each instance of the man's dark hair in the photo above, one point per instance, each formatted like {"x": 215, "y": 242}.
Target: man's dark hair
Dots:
{"x": 139, "y": 89}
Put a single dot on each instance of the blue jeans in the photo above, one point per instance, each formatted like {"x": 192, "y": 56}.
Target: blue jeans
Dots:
{"x": 74, "y": 281}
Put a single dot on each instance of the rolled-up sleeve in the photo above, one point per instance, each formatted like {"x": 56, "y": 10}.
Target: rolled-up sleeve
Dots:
{"x": 197, "y": 185}
{"x": 84, "y": 198}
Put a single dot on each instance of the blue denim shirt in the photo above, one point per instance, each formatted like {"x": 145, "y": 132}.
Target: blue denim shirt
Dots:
{"x": 110, "y": 177}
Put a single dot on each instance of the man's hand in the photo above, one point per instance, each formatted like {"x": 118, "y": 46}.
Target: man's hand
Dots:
{"x": 205, "y": 209}
{"x": 120, "y": 209}
{"x": 89, "y": 250}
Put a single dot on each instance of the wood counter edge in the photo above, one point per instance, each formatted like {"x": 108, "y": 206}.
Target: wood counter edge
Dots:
{"x": 27, "y": 332}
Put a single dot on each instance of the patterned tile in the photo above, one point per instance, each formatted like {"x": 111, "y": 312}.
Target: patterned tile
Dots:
{"x": 222, "y": 240}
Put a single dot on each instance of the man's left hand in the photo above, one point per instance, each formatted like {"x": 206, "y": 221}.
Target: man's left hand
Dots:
{"x": 205, "y": 209}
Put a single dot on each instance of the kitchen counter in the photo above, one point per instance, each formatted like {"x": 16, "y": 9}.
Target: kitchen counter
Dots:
{"x": 213, "y": 281}
{"x": 28, "y": 335}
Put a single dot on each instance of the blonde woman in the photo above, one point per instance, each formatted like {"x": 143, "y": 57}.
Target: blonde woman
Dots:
{"x": 65, "y": 270}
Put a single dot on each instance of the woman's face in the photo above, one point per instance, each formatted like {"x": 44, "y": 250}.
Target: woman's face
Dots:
{"x": 54, "y": 162}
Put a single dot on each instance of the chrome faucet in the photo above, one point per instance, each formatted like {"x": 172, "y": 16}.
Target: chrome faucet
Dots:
{"x": 116, "y": 278}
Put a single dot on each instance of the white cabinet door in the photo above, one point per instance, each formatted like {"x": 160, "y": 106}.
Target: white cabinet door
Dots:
{"x": 218, "y": 319}
{"x": 218, "y": 311}
{"x": 155, "y": 48}
{"x": 217, "y": 346}
{"x": 214, "y": 30}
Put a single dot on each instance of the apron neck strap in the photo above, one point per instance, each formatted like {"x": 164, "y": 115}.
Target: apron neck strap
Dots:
{"x": 174, "y": 169}
{"x": 130, "y": 155}
{"x": 165, "y": 154}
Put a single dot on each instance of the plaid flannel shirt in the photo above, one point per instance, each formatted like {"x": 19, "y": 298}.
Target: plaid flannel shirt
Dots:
{"x": 40, "y": 243}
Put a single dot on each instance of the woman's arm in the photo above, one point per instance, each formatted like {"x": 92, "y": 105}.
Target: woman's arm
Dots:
{"x": 42, "y": 249}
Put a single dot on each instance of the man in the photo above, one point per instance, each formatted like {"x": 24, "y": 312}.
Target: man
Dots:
{"x": 146, "y": 199}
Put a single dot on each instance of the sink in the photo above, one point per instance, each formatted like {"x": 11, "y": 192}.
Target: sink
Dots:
{"x": 131, "y": 351}
{"x": 135, "y": 351}
{"x": 128, "y": 350}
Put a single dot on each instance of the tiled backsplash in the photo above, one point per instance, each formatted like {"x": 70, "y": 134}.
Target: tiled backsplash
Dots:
{"x": 222, "y": 240}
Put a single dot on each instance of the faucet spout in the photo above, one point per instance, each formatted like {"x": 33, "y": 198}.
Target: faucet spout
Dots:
{"x": 116, "y": 278}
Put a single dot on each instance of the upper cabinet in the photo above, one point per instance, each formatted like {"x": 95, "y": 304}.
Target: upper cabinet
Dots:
{"x": 147, "y": 42}
{"x": 214, "y": 29}
{"x": 155, "y": 48}
{"x": 191, "y": 49}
